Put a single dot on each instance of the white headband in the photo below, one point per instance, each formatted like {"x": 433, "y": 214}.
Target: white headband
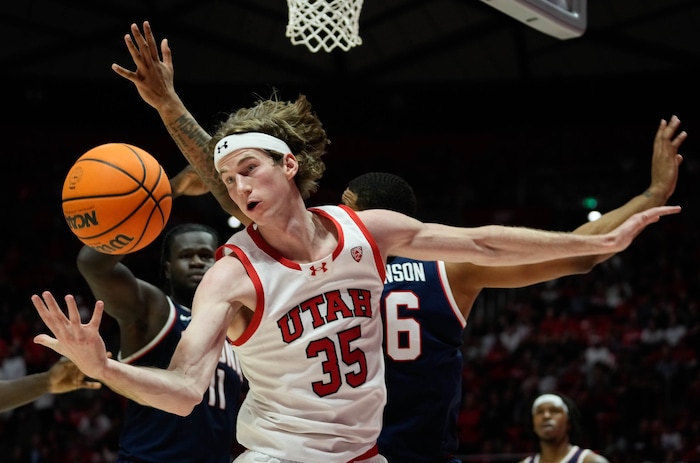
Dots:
{"x": 553, "y": 398}
{"x": 237, "y": 141}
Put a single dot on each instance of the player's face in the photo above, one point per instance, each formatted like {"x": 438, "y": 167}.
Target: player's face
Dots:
{"x": 550, "y": 422}
{"x": 191, "y": 255}
{"x": 256, "y": 182}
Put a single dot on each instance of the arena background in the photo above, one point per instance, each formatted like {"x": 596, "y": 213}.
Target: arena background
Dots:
{"x": 490, "y": 121}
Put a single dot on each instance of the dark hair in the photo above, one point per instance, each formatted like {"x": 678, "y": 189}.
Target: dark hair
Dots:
{"x": 167, "y": 244}
{"x": 575, "y": 430}
{"x": 382, "y": 190}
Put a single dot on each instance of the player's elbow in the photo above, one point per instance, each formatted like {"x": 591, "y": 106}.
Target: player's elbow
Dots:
{"x": 186, "y": 402}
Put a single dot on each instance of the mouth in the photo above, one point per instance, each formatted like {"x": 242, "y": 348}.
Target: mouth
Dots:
{"x": 252, "y": 205}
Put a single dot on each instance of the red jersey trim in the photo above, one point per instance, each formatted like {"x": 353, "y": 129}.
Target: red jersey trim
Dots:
{"x": 373, "y": 452}
{"x": 260, "y": 296}
{"x": 378, "y": 261}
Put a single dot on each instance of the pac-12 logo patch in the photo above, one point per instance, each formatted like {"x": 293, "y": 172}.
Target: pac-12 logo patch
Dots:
{"x": 356, "y": 253}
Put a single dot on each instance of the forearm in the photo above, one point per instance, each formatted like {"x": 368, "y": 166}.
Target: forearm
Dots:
{"x": 192, "y": 140}
{"x": 154, "y": 387}
{"x": 91, "y": 261}
{"x": 501, "y": 245}
{"x": 496, "y": 245}
{"x": 612, "y": 219}
{"x": 15, "y": 393}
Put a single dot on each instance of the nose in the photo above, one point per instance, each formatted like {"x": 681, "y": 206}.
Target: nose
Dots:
{"x": 242, "y": 184}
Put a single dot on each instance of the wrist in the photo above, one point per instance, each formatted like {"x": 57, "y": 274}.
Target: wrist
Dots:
{"x": 657, "y": 196}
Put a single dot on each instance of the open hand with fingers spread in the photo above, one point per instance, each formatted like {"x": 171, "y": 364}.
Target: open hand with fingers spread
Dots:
{"x": 153, "y": 77}
{"x": 79, "y": 342}
{"x": 666, "y": 158}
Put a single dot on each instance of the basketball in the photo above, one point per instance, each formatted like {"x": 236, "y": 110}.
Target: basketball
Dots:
{"x": 116, "y": 198}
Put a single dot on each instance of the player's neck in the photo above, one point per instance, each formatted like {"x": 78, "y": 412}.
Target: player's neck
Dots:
{"x": 304, "y": 239}
{"x": 554, "y": 452}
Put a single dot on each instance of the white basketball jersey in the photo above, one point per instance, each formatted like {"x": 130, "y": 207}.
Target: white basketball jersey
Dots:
{"x": 313, "y": 351}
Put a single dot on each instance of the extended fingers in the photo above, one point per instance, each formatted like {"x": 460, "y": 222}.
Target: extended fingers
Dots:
{"x": 655, "y": 213}
{"x": 97, "y": 318}
{"x": 73, "y": 313}
{"x": 149, "y": 38}
{"x": 133, "y": 49}
{"x": 46, "y": 341}
{"x": 88, "y": 384}
{"x": 671, "y": 128}
{"x": 46, "y": 307}
{"x": 166, "y": 53}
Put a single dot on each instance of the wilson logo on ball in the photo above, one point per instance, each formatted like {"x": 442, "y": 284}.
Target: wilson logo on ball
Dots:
{"x": 76, "y": 222}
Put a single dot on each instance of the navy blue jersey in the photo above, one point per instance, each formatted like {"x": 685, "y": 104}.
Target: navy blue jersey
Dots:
{"x": 422, "y": 345}
{"x": 207, "y": 434}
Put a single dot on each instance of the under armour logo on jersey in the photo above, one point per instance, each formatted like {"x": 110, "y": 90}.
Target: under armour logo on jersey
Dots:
{"x": 315, "y": 269}
{"x": 356, "y": 253}
{"x": 185, "y": 318}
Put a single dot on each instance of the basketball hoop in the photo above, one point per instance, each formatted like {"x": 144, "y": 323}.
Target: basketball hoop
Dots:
{"x": 324, "y": 24}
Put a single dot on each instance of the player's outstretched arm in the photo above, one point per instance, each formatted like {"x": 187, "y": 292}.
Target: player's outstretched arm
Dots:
{"x": 176, "y": 390}
{"x": 63, "y": 376}
{"x": 467, "y": 280}
{"x": 496, "y": 245}
{"x": 154, "y": 80}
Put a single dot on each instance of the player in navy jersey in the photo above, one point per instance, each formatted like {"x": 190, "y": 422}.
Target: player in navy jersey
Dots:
{"x": 151, "y": 321}
{"x": 556, "y": 424}
{"x": 425, "y": 307}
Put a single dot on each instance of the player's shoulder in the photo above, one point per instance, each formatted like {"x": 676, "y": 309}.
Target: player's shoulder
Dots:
{"x": 226, "y": 269}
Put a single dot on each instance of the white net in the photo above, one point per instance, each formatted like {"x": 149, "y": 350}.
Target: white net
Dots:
{"x": 321, "y": 24}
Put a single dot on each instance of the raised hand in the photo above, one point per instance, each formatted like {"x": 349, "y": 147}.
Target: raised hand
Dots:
{"x": 665, "y": 157}
{"x": 153, "y": 77}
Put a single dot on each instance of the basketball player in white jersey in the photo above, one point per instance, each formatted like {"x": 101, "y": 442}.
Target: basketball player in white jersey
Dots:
{"x": 298, "y": 294}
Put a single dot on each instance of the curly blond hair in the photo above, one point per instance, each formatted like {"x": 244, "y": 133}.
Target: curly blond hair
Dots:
{"x": 293, "y": 122}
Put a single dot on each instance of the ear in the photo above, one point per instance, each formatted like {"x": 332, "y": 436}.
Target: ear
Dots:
{"x": 166, "y": 270}
{"x": 291, "y": 165}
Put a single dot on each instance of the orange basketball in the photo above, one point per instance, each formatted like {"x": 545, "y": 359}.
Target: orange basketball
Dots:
{"x": 116, "y": 198}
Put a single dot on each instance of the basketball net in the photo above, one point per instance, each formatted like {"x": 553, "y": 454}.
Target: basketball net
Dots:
{"x": 324, "y": 24}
